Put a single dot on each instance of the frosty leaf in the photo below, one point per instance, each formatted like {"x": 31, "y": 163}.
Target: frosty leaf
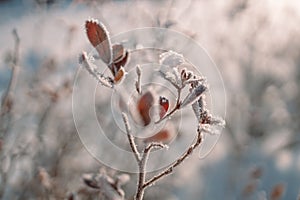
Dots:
{"x": 172, "y": 75}
{"x": 196, "y": 110}
{"x": 194, "y": 95}
{"x": 171, "y": 59}
{"x": 99, "y": 38}
{"x": 198, "y": 107}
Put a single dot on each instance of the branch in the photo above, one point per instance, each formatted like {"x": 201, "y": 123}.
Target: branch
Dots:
{"x": 131, "y": 138}
{"x": 142, "y": 167}
{"x": 178, "y": 161}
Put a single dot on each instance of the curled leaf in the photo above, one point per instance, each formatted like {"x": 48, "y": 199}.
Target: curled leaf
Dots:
{"x": 117, "y": 64}
{"x": 120, "y": 75}
{"x": 186, "y": 74}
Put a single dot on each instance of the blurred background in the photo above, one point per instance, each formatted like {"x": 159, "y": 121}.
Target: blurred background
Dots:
{"x": 255, "y": 44}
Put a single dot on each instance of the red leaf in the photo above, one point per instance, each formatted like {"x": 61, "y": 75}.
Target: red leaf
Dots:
{"x": 115, "y": 56}
{"x": 144, "y": 105}
{"x": 119, "y": 75}
{"x": 164, "y": 106}
{"x": 99, "y": 38}
{"x": 121, "y": 62}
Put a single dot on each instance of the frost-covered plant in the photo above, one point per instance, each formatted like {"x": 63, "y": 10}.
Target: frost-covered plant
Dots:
{"x": 173, "y": 70}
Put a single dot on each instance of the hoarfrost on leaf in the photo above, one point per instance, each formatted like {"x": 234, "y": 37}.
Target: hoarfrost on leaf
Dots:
{"x": 194, "y": 95}
{"x": 171, "y": 59}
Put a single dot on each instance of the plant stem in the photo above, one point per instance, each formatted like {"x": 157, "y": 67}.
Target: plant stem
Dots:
{"x": 141, "y": 179}
{"x": 178, "y": 161}
{"x": 142, "y": 169}
{"x": 131, "y": 138}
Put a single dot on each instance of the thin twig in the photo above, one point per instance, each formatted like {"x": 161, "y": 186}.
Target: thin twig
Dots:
{"x": 178, "y": 161}
{"x": 131, "y": 138}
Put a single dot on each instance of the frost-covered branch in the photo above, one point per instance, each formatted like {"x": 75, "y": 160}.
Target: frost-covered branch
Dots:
{"x": 179, "y": 161}
{"x": 131, "y": 138}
